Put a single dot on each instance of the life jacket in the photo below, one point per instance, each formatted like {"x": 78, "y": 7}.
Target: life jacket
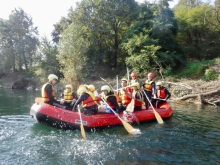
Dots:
{"x": 108, "y": 102}
{"x": 125, "y": 99}
{"x": 148, "y": 85}
{"x": 68, "y": 96}
{"x": 137, "y": 102}
{"x": 44, "y": 93}
{"x": 161, "y": 93}
{"x": 90, "y": 101}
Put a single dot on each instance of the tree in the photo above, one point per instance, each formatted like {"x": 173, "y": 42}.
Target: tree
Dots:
{"x": 46, "y": 62}
{"x": 19, "y": 40}
{"x": 150, "y": 41}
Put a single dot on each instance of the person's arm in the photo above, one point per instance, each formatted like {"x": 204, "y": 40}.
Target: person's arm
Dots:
{"x": 168, "y": 95}
{"x": 80, "y": 99}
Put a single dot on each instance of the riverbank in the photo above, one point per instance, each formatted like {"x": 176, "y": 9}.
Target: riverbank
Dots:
{"x": 193, "y": 91}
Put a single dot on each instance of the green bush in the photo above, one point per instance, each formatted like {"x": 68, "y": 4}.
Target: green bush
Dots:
{"x": 210, "y": 74}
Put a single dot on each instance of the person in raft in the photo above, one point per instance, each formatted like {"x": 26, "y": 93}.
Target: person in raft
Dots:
{"x": 162, "y": 94}
{"x": 124, "y": 95}
{"x": 87, "y": 101}
{"x": 150, "y": 89}
{"x": 110, "y": 99}
{"x": 69, "y": 97}
{"x": 137, "y": 96}
{"x": 134, "y": 78}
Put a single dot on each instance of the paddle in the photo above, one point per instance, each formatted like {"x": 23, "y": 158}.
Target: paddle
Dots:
{"x": 81, "y": 125}
{"x": 107, "y": 83}
{"x": 130, "y": 106}
{"x": 128, "y": 75}
{"x": 178, "y": 102}
{"x": 158, "y": 117}
{"x": 39, "y": 100}
{"x": 127, "y": 126}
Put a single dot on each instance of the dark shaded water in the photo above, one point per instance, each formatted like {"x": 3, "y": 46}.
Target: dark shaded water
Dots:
{"x": 191, "y": 136}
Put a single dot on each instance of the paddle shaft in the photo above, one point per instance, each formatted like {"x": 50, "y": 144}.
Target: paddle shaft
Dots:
{"x": 81, "y": 124}
{"x": 158, "y": 117}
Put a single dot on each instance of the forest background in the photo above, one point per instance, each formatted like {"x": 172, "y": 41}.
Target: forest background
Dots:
{"x": 102, "y": 38}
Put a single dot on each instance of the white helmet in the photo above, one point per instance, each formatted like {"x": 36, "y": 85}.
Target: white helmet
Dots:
{"x": 105, "y": 87}
{"x": 159, "y": 83}
{"x": 91, "y": 88}
{"x": 52, "y": 76}
{"x": 69, "y": 86}
{"x": 81, "y": 90}
{"x": 136, "y": 85}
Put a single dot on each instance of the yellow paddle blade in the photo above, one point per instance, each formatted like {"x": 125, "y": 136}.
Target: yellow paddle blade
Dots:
{"x": 129, "y": 128}
{"x": 83, "y": 131}
{"x": 39, "y": 100}
{"x": 180, "y": 102}
{"x": 158, "y": 117}
{"x": 130, "y": 106}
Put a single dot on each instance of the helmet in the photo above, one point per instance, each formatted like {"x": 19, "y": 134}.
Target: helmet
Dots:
{"x": 124, "y": 79}
{"x": 52, "y": 76}
{"x": 159, "y": 83}
{"x": 69, "y": 86}
{"x": 150, "y": 75}
{"x": 136, "y": 85}
{"x": 133, "y": 74}
{"x": 81, "y": 90}
{"x": 91, "y": 88}
{"x": 105, "y": 87}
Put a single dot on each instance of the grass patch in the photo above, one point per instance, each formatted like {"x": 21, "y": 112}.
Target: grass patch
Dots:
{"x": 193, "y": 70}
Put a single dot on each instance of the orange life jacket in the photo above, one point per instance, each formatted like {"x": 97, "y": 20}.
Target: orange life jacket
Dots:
{"x": 90, "y": 101}
{"x": 125, "y": 99}
{"x": 44, "y": 93}
{"x": 148, "y": 86}
{"x": 161, "y": 93}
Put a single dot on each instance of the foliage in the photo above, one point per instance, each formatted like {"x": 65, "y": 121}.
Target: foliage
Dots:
{"x": 150, "y": 41}
{"x": 198, "y": 31}
{"x": 210, "y": 74}
{"x": 18, "y": 41}
{"x": 46, "y": 62}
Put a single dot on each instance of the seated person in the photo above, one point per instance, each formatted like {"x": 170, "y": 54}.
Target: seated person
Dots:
{"x": 162, "y": 94}
{"x": 137, "y": 96}
{"x": 110, "y": 99}
{"x": 69, "y": 97}
{"x": 87, "y": 101}
{"x": 124, "y": 95}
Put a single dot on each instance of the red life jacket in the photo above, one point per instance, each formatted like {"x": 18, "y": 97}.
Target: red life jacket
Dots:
{"x": 90, "y": 101}
{"x": 161, "y": 93}
{"x": 44, "y": 93}
{"x": 137, "y": 102}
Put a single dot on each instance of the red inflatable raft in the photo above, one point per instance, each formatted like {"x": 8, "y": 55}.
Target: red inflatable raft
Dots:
{"x": 69, "y": 120}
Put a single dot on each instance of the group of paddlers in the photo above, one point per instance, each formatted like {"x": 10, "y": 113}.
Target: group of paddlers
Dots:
{"x": 140, "y": 96}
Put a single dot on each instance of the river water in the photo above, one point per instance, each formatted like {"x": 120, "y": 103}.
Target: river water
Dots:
{"x": 191, "y": 136}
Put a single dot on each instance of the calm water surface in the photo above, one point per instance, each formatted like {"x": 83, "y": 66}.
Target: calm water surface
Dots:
{"x": 191, "y": 136}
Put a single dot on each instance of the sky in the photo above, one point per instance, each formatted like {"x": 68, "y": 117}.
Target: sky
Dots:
{"x": 44, "y": 13}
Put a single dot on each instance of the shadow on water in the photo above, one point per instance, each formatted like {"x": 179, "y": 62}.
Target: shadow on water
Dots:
{"x": 191, "y": 136}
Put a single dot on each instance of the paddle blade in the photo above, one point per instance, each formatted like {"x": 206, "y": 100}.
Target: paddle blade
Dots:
{"x": 158, "y": 117}
{"x": 130, "y": 106}
{"x": 180, "y": 102}
{"x": 83, "y": 131}
{"x": 39, "y": 100}
{"x": 129, "y": 128}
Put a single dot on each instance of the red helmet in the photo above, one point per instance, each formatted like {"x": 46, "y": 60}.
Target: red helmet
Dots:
{"x": 133, "y": 74}
{"x": 150, "y": 75}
